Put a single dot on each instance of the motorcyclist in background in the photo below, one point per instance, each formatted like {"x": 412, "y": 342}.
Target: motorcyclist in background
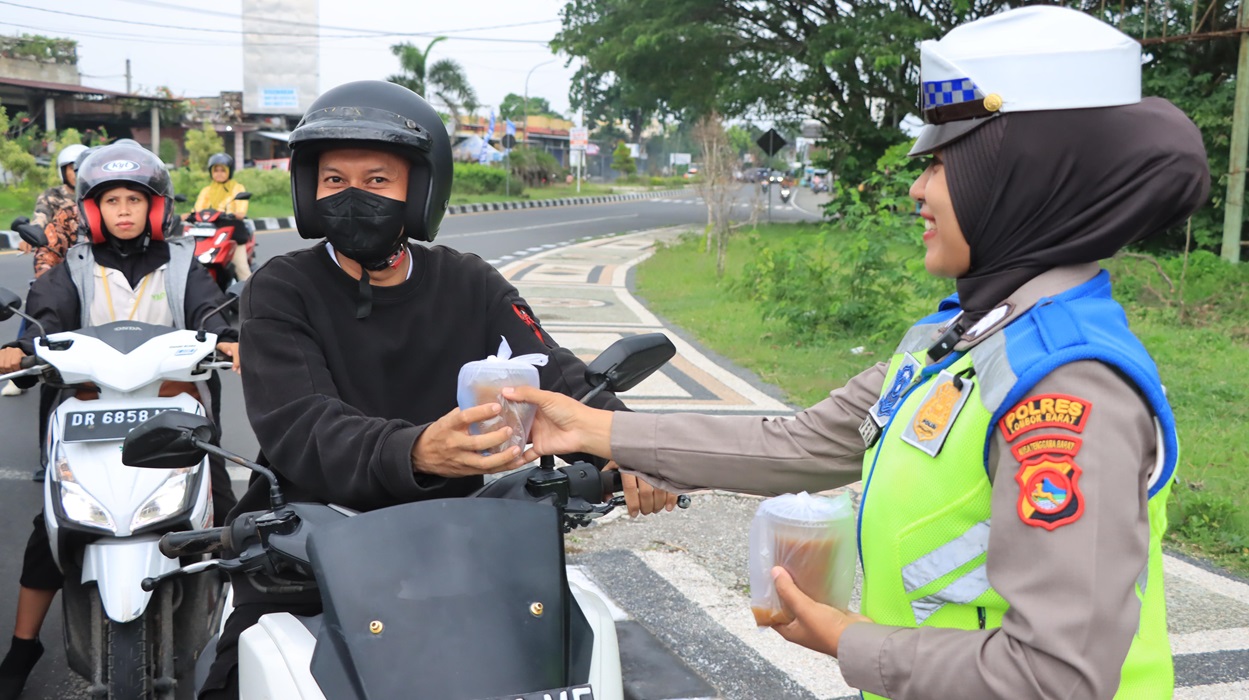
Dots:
{"x": 51, "y": 202}
{"x": 127, "y": 271}
{"x": 220, "y": 195}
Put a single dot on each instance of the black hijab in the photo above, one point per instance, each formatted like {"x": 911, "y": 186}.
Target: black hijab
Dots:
{"x": 1068, "y": 187}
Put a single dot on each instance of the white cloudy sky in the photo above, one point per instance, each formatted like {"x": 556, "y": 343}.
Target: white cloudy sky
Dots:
{"x": 196, "y": 49}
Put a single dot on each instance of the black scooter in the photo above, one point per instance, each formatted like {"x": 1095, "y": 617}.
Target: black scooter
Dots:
{"x": 449, "y": 599}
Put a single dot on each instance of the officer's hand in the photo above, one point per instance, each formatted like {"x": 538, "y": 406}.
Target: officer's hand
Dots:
{"x": 815, "y": 626}
{"x": 563, "y": 425}
{"x": 231, "y": 349}
{"x": 10, "y": 360}
{"x": 446, "y": 448}
{"x": 641, "y": 497}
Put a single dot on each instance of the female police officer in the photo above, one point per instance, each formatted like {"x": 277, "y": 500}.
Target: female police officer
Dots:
{"x": 1018, "y": 449}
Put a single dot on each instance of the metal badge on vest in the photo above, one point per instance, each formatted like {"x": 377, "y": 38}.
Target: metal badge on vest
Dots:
{"x": 878, "y": 415}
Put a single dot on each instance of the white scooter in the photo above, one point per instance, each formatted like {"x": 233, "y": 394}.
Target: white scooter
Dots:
{"x": 105, "y": 520}
{"x": 447, "y": 599}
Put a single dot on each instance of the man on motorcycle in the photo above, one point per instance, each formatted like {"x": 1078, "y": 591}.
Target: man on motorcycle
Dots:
{"x": 354, "y": 345}
{"x": 48, "y": 205}
{"x": 127, "y": 271}
{"x": 220, "y": 195}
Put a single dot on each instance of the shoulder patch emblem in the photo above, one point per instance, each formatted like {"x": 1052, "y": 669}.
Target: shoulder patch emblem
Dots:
{"x": 1045, "y": 411}
{"x": 1068, "y": 445}
{"x": 1049, "y": 492}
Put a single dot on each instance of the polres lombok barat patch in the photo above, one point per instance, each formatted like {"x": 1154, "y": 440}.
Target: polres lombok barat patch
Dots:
{"x": 1045, "y": 411}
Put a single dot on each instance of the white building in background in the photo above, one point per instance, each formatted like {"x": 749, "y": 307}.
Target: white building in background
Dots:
{"x": 282, "y": 79}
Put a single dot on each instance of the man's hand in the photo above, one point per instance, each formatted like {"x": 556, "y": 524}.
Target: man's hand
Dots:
{"x": 231, "y": 349}
{"x": 11, "y": 360}
{"x": 815, "y": 626}
{"x": 640, "y": 497}
{"x": 563, "y": 425}
{"x": 446, "y": 448}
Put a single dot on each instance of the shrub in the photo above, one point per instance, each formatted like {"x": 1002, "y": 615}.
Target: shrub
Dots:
{"x": 864, "y": 278}
{"x": 473, "y": 178}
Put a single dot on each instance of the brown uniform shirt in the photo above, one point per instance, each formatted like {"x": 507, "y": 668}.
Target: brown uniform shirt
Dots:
{"x": 1073, "y": 608}
{"x": 63, "y": 232}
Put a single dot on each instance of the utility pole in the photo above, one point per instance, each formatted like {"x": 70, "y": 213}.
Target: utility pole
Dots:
{"x": 127, "y": 76}
{"x": 1234, "y": 211}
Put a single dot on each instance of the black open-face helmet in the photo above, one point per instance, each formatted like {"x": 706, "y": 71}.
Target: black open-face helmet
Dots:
{"x": 375, "y": 114}
{"x": 222, "y": 159}
{"x": 126, "y": 163}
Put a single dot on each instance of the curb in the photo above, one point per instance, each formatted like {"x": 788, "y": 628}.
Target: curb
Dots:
{"x": 9, "y": 240}
{"x": 568, "y": 201}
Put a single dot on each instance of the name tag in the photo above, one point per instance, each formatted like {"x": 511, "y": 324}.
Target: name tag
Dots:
{"x": 931, "y": 425}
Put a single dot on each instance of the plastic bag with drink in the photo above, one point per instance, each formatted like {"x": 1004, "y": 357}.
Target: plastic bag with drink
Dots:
{"x": 813, "y": 538}
{"x": 482, "y": 382}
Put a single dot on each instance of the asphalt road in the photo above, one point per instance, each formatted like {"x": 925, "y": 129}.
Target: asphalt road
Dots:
{"x": 496, "y": 236}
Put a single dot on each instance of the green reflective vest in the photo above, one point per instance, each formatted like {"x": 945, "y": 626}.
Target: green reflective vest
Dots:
{"x": 925, "y": 521}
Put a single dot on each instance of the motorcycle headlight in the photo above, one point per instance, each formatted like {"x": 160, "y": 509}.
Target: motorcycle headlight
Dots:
{"x": 206, "y": 258}
{"x": 78, "y": 505}
{"x": 167, "y": 501}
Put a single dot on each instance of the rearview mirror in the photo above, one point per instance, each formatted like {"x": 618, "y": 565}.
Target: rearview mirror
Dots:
{"x": 179, "y": 198}
{"x": 243, "y": 196}
{"x": 9, "y": 302}
{"x": 33, "y": 235}
{"x": 630, "y": 360}
{"x": 167, "y": 441}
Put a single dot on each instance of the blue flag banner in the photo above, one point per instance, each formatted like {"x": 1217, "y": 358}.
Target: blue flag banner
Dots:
{"x": 511, "y": 128}
{"x": 485, "y": 141}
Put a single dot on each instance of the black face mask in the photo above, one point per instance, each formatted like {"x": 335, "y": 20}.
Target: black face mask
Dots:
{"x": 363, "y": 226}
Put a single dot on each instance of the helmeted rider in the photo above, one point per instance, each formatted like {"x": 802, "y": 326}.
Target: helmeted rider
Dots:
{"x": 61, "y": 232}
{"x": 220, "y": 195}
{"x": 127, "y": 271}
{"x": 370, "y": 169}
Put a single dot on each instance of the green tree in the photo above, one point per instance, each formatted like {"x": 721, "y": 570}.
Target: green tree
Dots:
{"x": 200, "y": 144}
{"x": 14, "y": 159}
{"x": 622, "y": 160}
{"x": 444, "y": 79}
{"x": 854, "y": 66}
{"x": 513, "y": 107}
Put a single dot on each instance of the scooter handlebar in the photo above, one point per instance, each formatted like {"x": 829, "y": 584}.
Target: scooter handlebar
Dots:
{"x": 193, "y": 542}
{"x": 612, "y": 484}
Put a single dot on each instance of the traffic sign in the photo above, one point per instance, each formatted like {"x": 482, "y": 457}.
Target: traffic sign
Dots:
{"x": 578, "y": 137}
{"x": 509, "y": 141}
{"x": 771, "y": 142}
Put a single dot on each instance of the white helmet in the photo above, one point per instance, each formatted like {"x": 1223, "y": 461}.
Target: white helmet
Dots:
{"x": 67, "y": 156}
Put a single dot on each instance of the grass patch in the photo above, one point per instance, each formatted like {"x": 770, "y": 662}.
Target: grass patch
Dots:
{"x": 680, "y": 283}
{"x": 1201, "y": 347}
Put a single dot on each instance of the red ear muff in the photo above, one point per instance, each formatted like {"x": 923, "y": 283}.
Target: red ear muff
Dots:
{"x": 156, "y": 217}
{"x": 92, "y": 211}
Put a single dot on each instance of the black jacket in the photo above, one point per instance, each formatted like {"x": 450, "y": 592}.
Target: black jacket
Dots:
{"x": 337, "y": 403}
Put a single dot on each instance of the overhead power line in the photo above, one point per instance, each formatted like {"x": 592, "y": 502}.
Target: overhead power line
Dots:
{"x": 292, "y": 23}
{"x": 211, "y": 30}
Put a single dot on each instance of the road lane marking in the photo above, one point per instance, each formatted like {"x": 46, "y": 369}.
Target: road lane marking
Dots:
{"x": 538, "y": 227}
{"x": 1205, "y": 641}
{"x": 812, "y": 670}
{"x": 1213, "y": 692}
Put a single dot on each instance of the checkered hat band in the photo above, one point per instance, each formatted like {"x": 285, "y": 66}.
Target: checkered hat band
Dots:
{"x": 942, "y": 93}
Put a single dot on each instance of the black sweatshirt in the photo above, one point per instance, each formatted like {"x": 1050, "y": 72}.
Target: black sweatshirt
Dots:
{"x": 337, "y": 402}
{"x": 53, "y": 298}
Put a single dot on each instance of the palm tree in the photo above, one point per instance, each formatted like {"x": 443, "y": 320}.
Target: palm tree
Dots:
{"x": 444, "y": 79}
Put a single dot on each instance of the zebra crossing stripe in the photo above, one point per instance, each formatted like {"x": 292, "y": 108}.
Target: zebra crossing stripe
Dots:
{"x": 815, "y": 672}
